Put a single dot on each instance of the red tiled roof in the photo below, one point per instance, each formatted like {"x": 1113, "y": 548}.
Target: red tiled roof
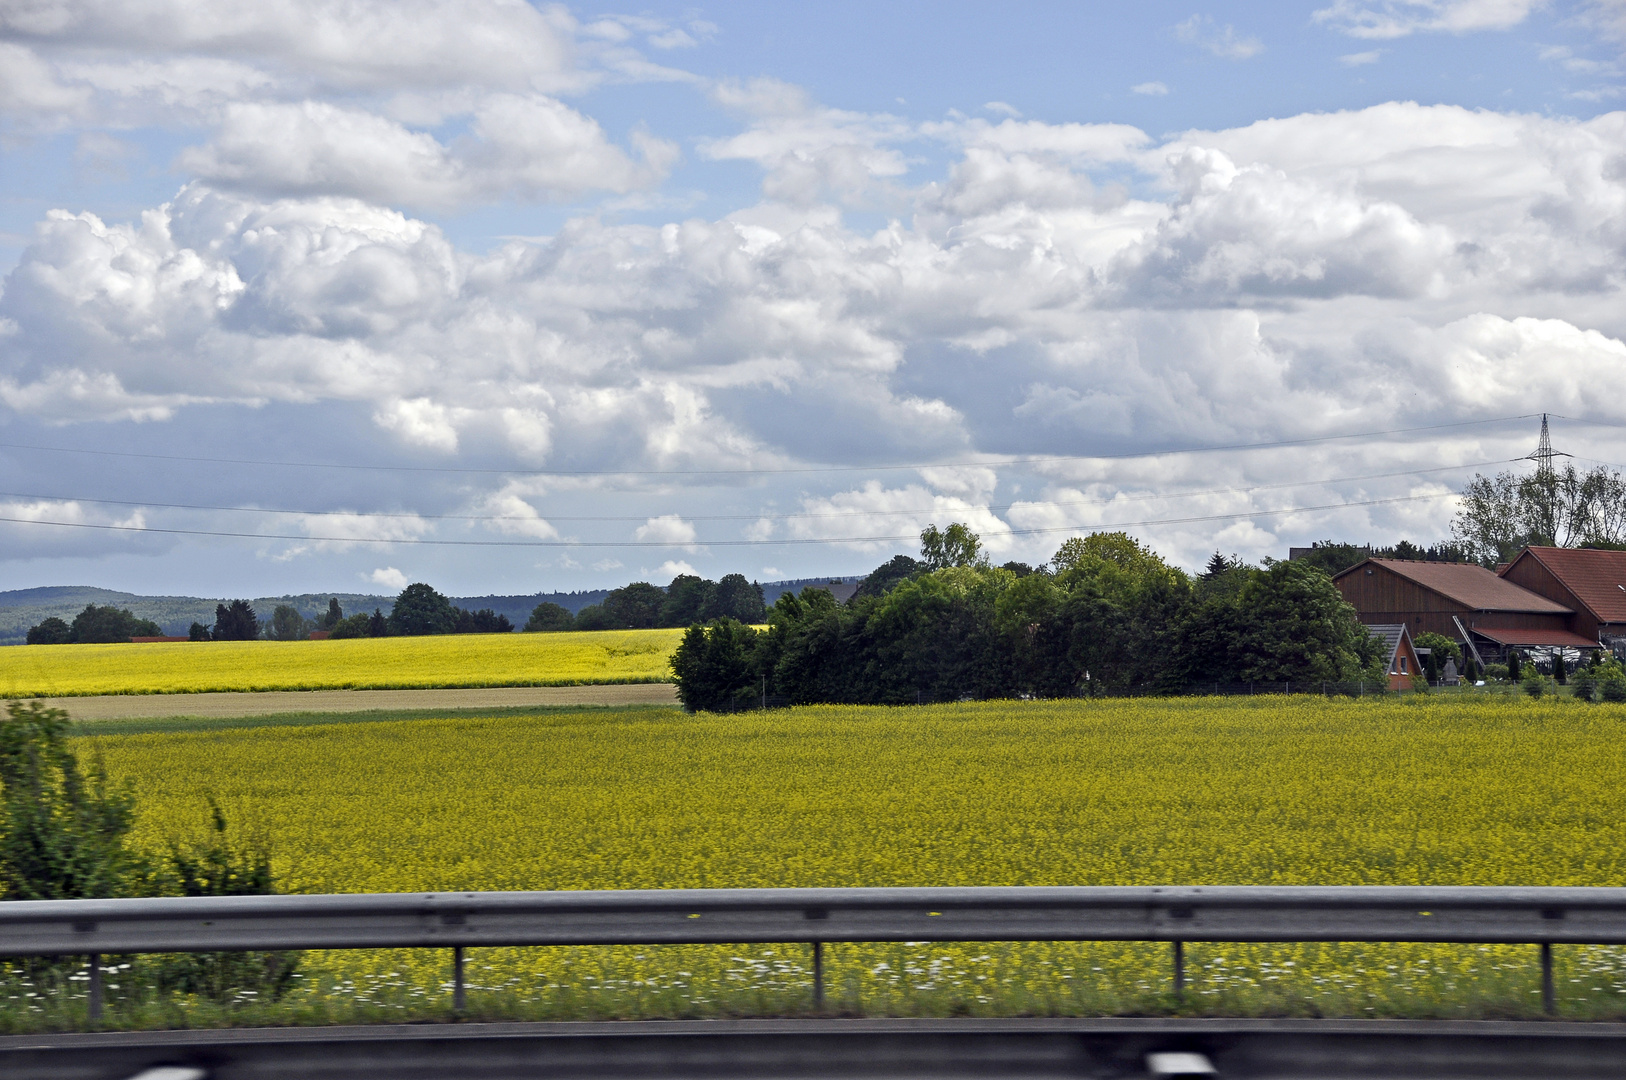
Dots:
{"x": 1597, "y": 578}
{"x": 1468, "y": 584}
{"x": 1546, "y": 639}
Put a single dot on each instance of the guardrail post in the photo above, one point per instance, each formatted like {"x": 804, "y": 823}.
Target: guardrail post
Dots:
{"x": 818, "y": 976}
{"x": 1549, "y": 1003}
{"x": 95, "y": 987}
{"x": 459, "y": 998}
{"x": 1179, "y": 969}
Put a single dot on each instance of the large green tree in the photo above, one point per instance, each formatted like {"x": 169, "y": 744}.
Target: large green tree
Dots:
{"x": 634, "y": 607}
{"x": 689, "y": 600}
{"x": 421, "y": 610}
{"x": 287, "y": 624}
{"x": 236, "y": 622}
{"x": 737, "y": 598}
{"x": 548, "y": 616}
{"x": 109, "y": 624}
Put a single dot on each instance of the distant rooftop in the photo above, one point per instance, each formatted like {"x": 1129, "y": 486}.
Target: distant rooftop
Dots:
{"x": 1467, "y": 584}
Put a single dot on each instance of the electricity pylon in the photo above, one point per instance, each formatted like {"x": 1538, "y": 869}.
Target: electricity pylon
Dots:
{"x": 1543, "y": 457}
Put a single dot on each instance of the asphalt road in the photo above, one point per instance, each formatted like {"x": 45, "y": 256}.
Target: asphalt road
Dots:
{"x": 844, "y": 1049}
{"x": 149, "y": 706}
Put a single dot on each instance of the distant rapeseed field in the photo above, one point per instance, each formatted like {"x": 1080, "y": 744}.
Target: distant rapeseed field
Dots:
{"x": 563, "y": 659}
{"x": 1212, "y": 791}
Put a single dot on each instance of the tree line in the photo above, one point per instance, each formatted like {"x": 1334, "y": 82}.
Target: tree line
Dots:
{"x": 687, "y": 600}
{"x": 418, "y": 610}
{"x": 1106, "y": 615}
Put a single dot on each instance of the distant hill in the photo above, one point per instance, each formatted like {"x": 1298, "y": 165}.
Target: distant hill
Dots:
{"x": 23, "y": 608}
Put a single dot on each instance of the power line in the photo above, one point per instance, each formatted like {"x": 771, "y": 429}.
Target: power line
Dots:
{"x": 796, "y": 541}
{"x": 1042, "y": 459}
{"x": 991, "y": 508}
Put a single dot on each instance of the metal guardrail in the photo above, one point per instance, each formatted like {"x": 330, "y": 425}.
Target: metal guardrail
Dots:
{"x": 1176, "y": 914}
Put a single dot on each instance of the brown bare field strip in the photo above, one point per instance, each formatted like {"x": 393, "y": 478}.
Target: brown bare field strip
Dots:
{"x": 132, "y": 706}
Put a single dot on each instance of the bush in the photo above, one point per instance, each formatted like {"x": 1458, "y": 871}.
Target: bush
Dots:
{"x": 1612, "y": 690}
{"x": 51, "y": 631}
{"x": 547, "y": 617}
{"x": 215, "y": 867}
{"x": 355, "y": 626}
{"x": 714, "y": 666}
{"x": 197, "y": 632}
{"x": 1584, "y": 687}
{"x": 1535, "y": 685}
{"x": 62, "y": 832}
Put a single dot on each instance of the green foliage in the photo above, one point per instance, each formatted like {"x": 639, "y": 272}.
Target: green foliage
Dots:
{"x": 594, "y": 617}
{"x": 956, "y": 545}
{"x": 333, "y": 616}
{"x": 1300, "y": 629}
{"x": 888, "y": 574}
{"x": 51, "y": 631}
{"x": 421, "y": 610}
{"x": 1285, "y": 623}
{"x": 737, "y": 598}
{"x": 1441, "y": 649}
{"x": 634, "y": 607}
{"x": 354, "y": 626}
{"x": 1112, "y": 618}
{"x": 688, "y": 599}
{"x": 548, "y": 616}
{"x": 62, "y": 833}
{"x": 1500, "y": 515}
{"x": 109, "y": 624}
{"x": 1612, "y": 690}
{"x": 197, "y": 632}
{"x": 484, "y": 621}
{"x": 714, "y": 666}
{"x": 1560, "y": 672}
{"x": 214, "y": 866}
{"x": 287, "y": 624}
{"x": 1584, "y": 686}
{"x": 236, "y": 622}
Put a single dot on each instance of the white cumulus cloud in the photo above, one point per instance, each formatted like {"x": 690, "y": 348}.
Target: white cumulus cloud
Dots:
{"x": 388, "y": 577}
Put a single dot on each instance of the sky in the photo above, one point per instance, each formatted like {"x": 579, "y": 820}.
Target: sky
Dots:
{"x": 508, "y": 297}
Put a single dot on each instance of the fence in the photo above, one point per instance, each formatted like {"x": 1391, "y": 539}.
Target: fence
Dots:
{"x": 1177, "y": 914}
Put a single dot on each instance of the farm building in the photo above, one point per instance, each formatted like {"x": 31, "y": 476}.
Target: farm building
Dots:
{"x": 1402, "y": 662}
{"x": 1590, "y": 583}
{"x": 1462, "y": 601}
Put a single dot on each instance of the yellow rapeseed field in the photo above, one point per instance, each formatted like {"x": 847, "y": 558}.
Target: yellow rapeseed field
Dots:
{"x": 1238, "y": 791}
{"x": 562, "y": 659}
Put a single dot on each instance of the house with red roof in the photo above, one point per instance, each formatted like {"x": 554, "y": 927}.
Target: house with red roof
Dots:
{"x": 1591, "y": 583}
{"x": 1463, "y": 601}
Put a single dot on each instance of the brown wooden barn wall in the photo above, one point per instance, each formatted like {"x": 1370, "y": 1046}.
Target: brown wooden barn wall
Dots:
{"x": 1385, "y": 597}
{"x": 1529, "y": 573}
